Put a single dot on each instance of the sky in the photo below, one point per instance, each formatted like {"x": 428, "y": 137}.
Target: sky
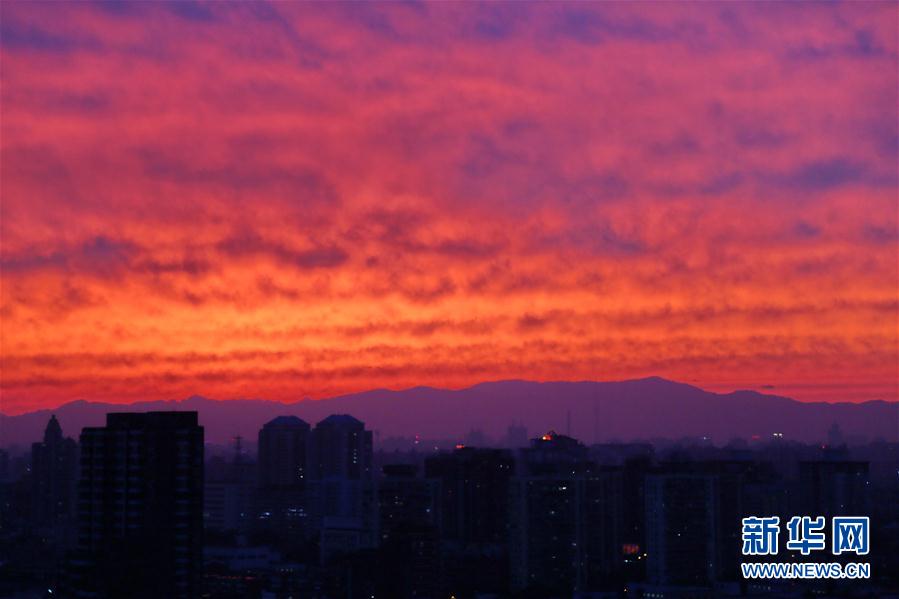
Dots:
{"x": 283, "y": 200}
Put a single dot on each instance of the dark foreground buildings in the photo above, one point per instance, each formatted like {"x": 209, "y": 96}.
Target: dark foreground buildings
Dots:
{"x": 409, "y": 524}
{"x": 564, "y": 519}
{"x": 140, "y": 504}
{"x": 318, "y": 513}
{"x": 472, "y": 486}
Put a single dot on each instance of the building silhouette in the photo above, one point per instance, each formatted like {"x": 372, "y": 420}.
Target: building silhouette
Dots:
{"x": 52, "y": 496}
{"x": 54, "y": 477}
{"x": 516, "y": 436}
{"x": 341, "y": 487}
{"x": 341, "y": 449}
{"x": 228, "y": 493}
{"x": 834, "y": 488}
{"x": 552, "y": 519}
{"x": 564, "y": 519}
{"x": 743, "y": 487}
{"x": 409, "y": 536}
{"x": 140, "y": 505}
{"x": 474, "y": 493}
{"x": 473, "y": 519}
{"x": 552, "y": 453}
{"x": 681, "y": 529}
{"x": 283, "y": 468}
{"x": 283, "y": 452}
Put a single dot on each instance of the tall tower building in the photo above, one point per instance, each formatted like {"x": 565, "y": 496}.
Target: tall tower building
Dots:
{"x": 473, "y": 504}
{"x": 283, "y": 471}
{"x": 564, "y": 519}
{"x": 141, "y": 506}
{"x": 54, "y": 472}
{"x": 408, "y": 509}
{"x": 341, "y": 489}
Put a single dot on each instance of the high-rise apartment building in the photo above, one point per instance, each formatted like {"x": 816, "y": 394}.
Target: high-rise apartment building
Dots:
{"x": 140, "y": 507}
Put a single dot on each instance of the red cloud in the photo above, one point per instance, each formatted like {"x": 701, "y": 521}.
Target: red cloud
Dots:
{"x": 285, "y": 200}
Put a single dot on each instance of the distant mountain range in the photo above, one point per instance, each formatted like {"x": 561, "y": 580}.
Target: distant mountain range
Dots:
{"x": 626, "y": 410}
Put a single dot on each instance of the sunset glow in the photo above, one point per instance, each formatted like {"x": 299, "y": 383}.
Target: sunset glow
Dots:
{"x": 302, "y": 200}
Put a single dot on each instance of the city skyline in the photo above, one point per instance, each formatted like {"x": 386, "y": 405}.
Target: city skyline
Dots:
{"x": 291, "y": 200}
{"x": 319, "y": 510}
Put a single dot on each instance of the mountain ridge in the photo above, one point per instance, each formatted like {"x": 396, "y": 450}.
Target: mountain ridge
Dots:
{"x": 644, "y": 408}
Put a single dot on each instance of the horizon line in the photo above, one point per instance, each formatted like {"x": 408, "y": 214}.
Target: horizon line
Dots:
{"x": 759, "y": 391}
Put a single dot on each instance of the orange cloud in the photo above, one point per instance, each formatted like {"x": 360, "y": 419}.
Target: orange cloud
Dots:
{"x": 281, "y": 201}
